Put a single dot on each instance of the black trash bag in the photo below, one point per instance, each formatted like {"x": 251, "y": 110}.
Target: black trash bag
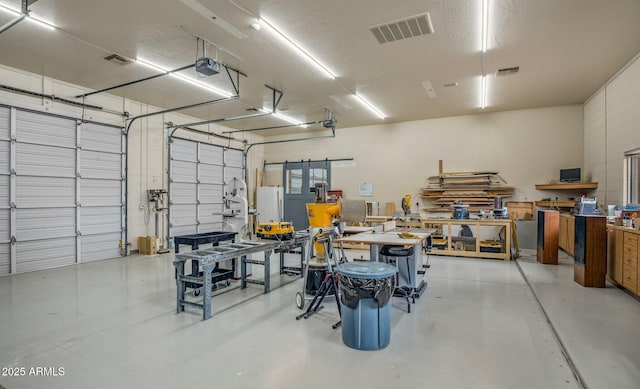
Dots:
{"x": 353, "y": 290}
{"x": 395, "y": 251}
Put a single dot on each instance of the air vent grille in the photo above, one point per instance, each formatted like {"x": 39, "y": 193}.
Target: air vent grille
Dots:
{"x": 402, "y": 29}
{"x": 507, "y": 71}
{"x": 120, "y": 60}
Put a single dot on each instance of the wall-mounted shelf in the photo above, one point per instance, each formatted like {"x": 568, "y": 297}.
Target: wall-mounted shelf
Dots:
{"x": 556, "y": 204}
{"x": 568, "y": 186}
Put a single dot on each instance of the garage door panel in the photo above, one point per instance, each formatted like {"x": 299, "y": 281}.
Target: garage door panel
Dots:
{"x": 182, "y": 193}
{"x": 210, "y": 174}
{"x": 211, "y": 194}
{"x": 45, "y": 192}
{"x": 45, "y": 223}
{"x": 233, "y": 158}
{"x": 99, "y": 247}
{"x": 41, "y": 160}
{"x": 210, "y": 227}
{"x": 210, "y": 213}
{"x": 94, "y": 164}
{"x": 182, "y": 215}
{"x": 100, "y": 192}
{"x": 5, "y": 123}
{"x": 5, "y": 262}
{"x": 4, "y": 191}
{"x": 210, "y": 154}
{"x": 45, "y": 129}
{"x": 232, "y": 172}
{"x": 184, "y": 150}
{"x": 5, "y": 156}
{"x": 99, "y": 220}
{"x": 184, "y": 230}
{"x": 182, "y": 171}
{"x": 5, "y": 233}
{"x": 101, "y": 138}
{"x": 45, "y": 254}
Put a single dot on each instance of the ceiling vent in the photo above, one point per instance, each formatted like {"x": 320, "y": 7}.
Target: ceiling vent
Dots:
{"x": 507, "y": 71}
{"x": 120, "y": 60}
{"x": 402, "y": 29}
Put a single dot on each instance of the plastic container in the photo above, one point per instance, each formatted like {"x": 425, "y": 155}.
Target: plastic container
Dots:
{"x": 365, "y": 291}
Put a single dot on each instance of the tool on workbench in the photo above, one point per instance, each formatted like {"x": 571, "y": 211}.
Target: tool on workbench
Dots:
{"x": 279, "y": 230}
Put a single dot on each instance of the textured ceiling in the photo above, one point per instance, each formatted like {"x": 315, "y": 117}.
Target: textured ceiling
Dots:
{"x": 565, "y": 50}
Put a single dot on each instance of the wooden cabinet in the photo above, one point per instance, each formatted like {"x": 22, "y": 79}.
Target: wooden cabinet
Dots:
{"x": 615, "y": 244}
{"x": 622, "y": 257}
{"x": 590, "y": 252}
{"x": 548, "y": 222}
{"x": 566, "y": 233}
{"x": 630, "y": 262}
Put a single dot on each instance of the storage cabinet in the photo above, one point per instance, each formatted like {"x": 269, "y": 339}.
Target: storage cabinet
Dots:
{"x": 548, "y": 222}
{"x": 622, "y": 257}
{"x": 590, "y": 255}
{"x": 566, "y": 233}
{"x": 615, "y": 244}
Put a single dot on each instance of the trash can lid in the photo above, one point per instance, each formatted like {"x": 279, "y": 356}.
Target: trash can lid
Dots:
{"x": 367, "y": 270}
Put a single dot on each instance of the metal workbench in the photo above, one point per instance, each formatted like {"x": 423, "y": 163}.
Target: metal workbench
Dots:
{"x": 218, "y": 274}
{"x": 207, "y": 259}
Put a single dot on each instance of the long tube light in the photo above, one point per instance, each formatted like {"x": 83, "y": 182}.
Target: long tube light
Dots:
{"x": 285, "y": 118}
{"x": 367, "y": 104}
{"x": 183, "y": 77}
{"x": 299, "y": 49}
{"x": 483, "y": 103}
{"x": 30, "y": 18}
{"x": 485, "y": 25}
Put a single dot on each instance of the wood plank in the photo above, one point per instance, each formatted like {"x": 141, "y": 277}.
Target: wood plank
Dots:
{"x": 568, "y": 186}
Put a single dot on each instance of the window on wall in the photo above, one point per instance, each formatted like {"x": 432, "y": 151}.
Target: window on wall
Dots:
{"x": 632, "y": 180}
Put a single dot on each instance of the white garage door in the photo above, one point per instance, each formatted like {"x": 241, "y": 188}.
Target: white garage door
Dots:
{"x": 62, "y": 196}
{"x": 101, "y": 196}
{"x": 5, "y": 230}
{"x": 197, "y": 175}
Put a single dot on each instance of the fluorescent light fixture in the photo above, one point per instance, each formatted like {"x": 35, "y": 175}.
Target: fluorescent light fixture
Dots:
{"x": 483, "y": 104}
{"x": 485, "y": 25}
{"x": 285, "y": 118}
{"x": 183, "y": 77}
{"x": 370, "y": 106}
{"x": 30, "y": 18}
{"x": 299, "y": 49}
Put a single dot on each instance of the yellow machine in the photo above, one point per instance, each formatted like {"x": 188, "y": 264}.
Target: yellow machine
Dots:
{"x": 275, "y": 230}
{"x": 321, "y": 215}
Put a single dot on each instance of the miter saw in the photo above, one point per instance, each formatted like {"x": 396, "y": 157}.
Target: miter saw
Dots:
{"x": 406, "y": 204}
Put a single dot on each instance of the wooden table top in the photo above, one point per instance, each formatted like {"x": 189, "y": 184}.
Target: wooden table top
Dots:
{"x": 387, "y": 238}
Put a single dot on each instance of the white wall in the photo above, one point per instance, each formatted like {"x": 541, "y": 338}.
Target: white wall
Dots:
{"x": 612, "y": 127}
{"x": 147, "y": 146}
{"x": 526, "y": 147}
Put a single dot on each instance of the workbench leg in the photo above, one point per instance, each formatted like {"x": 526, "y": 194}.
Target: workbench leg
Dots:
{"x": 302, "y": 254}
{"x": 281, "y": 261}
{"x": 180, "y": 286}
{"x": 373, "y": 252}
{"x": 267, "y": 272}
{"x": 243, "y": 272}
{"x": 206, "y": 302}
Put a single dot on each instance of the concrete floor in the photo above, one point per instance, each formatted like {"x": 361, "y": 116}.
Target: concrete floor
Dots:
{"x": 478, "y": 325}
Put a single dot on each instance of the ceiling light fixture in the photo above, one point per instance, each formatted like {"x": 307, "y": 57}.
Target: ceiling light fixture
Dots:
{"x": 34, "y": 20}
{"x": 299, "y": 49}
{"x": 369, "y": 105}
{"x": 284, "y": 117}
{"x": 183, "y": 77}
{"x": 483, "y": 104}
{"x": 485, "y": 25}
